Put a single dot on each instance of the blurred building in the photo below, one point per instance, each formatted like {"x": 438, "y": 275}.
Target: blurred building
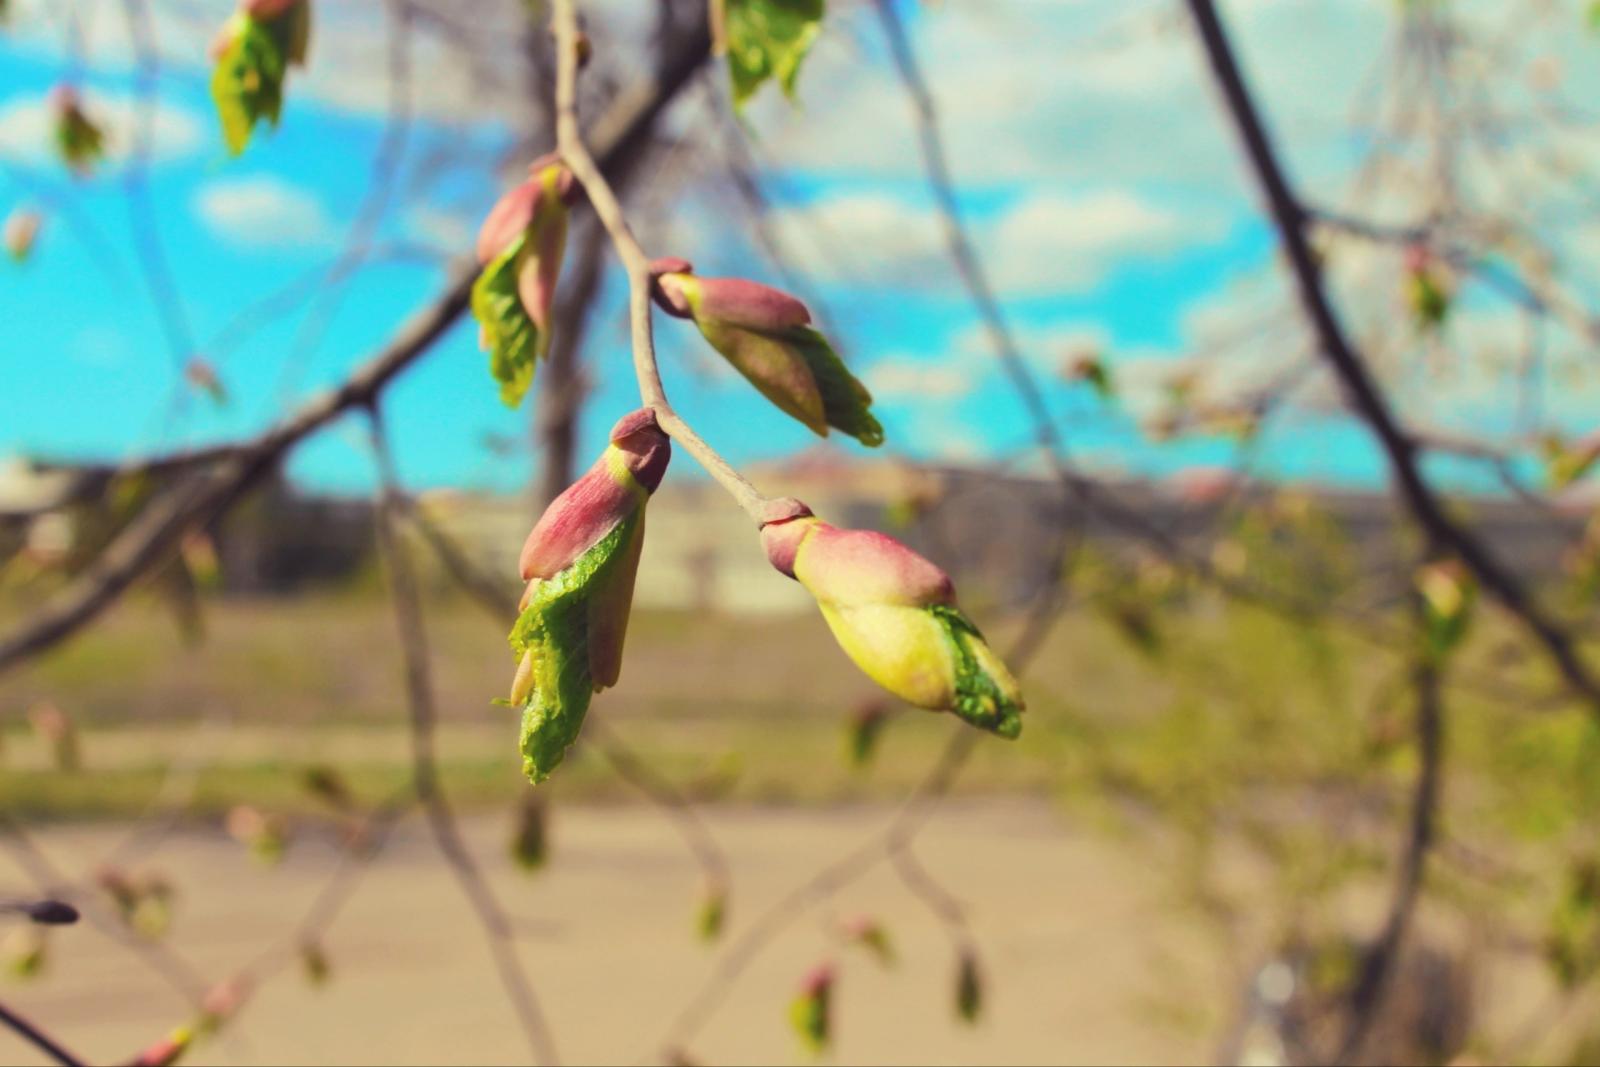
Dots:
{"x": 999, "y": 534}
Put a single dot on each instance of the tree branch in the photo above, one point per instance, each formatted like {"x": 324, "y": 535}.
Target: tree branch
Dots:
{"x": 1352, "y": 371}
{"x": 37, "y": 1038}
{"x": 636, "y": 262}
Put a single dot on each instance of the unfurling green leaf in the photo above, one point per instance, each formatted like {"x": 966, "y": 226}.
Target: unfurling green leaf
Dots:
{"x": 253, "y": 56}
{"x": 768, "y": 39}
{"x": 846, "y": 404}
{"x": 810, "y": 1013}
{"x": 555, "y": 629}
{"x": 580, "y": 561}
{"x": 509, "y": 332}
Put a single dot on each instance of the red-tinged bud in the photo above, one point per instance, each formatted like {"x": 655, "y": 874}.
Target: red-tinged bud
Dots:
{"x": 165, "y": 1052}
{"x": 550, "y": 184}
{"x": 223, "y": 1001}
{"x": 674, "y": 304}
{"x": 1205, "y": 485}
{"x": 64, "y": 100}
{"x": 871, "y": 935}
{"x": 56, "y": 728}
{"x": 767, "y": 337}
{"x": 854, "y": 566}
{"x": 811, "y": 1011}
{"x": 733, "y": 302}
{"x": 894, "y": 613}
{"x": 267, "y": 10}
{"x": 21, "y": 231}
{"x": 624, "y": 475}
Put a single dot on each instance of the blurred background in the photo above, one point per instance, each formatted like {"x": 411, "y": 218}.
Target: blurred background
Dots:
{"x": 1307, "y": 767}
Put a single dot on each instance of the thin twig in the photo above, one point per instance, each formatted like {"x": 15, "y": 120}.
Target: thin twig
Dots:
{"x": 637, "y": 264}
{"x": 497, "y": 927}
{"x": 36, "y": 1037}
{"x": 1366, "y": 998}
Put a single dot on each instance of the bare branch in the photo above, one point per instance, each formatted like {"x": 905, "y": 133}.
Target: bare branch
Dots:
{"x": 1352, "y": 371}
{"x": 497, "y": 927}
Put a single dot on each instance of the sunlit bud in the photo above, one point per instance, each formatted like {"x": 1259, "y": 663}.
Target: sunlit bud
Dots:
{"x": 969, "y": 987}
{"x": 79, "y": 140}
{"x": 894, "y": 613}
{"x": 580, "y": 561}
{"x": 21, "y": 232}
{"x": 266, "y": 10}
{"x": 549, "y": 181}
{"x": 624, "y": 476}
{"x": 24, "y": 952}
{"x": 520, "y": 245}
{"x": 530, "y": 838}
{"x": 766, "y": 335}
{"x": 810, "y": 1013}
{"x": 1567, "y": 461}
{"x": 199, "y": 373}
{"x": 222, "y": 1002}
{"x": 55, "y": 728}
{"x": 1448, "y": 592}
{"x": 713, "y": 913}
{"x": 266, "y": 835}
{"x": 1205, "y": 485}
{"x": 870, "y": 934}
{"x": 1429, "y": 287}
{"x": 1087, "y": 366}
{"x": 165, "y": 1052}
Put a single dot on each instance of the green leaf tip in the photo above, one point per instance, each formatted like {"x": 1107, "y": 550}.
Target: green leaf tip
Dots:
{"x": 980, "y": 700}
{"x": 556, "y": 628}
{"x": 769, "y": 39}
{"x": 513, "y": 341}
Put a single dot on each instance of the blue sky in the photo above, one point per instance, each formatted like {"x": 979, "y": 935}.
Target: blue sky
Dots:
{"x": 1100, "y": 181}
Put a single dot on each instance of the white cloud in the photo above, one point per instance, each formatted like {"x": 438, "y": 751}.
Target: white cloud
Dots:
{"x": 1052, "y": 241}
{"x": 910, "y": 378}
{"x": 27, "y": 127}
{"x": 264, "y": 211}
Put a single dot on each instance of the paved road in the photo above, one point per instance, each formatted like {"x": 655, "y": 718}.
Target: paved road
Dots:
{"x": 1076, "y": 946}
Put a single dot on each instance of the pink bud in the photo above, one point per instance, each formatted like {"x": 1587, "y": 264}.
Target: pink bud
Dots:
{"x": 514, "y": 212}
{"x": 854, "y": 566}
{"x": 817, "y": 980}
{"x": 734, "y": 302}
{"x": 266, "y": 10}
{"x": 596, "y": 502}
{"x": 64, "y": 99}
{"x": 21, "y": 231}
